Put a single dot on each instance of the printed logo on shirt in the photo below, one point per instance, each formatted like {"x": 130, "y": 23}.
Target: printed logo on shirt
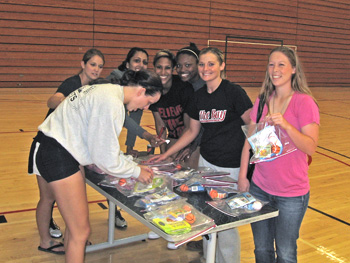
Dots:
{"x": 212, "y": 116}
{"x": 74, "y": 97}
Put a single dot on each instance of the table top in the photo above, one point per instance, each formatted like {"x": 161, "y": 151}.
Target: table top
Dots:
{"x": 198, "y": 200}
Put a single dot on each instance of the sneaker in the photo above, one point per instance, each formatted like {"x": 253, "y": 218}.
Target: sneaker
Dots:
{"x": 120, "y": 222}
{"x": 54, "y": 230}
{"x": 171, "y": 246}
{"x": 152, "y": 235}
{"x": 195, "y": 245}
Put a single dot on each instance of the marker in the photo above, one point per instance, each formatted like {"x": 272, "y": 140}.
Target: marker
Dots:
{"x": 161, "y": 132}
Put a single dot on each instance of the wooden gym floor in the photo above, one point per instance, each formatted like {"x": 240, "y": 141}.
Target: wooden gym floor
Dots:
{"x": 325, "y": 232}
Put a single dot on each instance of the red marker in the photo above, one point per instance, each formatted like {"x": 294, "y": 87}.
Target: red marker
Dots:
{"x": 161, "y": 132}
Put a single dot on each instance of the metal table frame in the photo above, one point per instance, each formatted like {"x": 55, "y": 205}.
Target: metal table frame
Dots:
{"x": 112, "y": 242}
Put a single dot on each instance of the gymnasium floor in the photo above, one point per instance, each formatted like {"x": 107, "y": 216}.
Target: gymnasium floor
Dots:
{"x": 325, "y": 233}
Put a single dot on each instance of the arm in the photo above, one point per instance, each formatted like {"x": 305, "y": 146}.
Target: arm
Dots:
{"x": 55, "y": 100}
{"x": 186, "y": 138}
{"x": 306, "y": 140}
{"x": 159, "y": 125}
{"x": 243, "y": 182}
{"x": 187, "y": 151}
{"x": 131, "y": 125}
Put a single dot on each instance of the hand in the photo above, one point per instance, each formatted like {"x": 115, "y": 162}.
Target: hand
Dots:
{"x": 278, "y": 119}
{"x": 184, "y": 154}
{"x": 132, "y": 152}
{"x": 146, "y": 175}
{"x": 158, "y": 158}
{"x": 243, "y": 184}
{"x": 153, "y": 139}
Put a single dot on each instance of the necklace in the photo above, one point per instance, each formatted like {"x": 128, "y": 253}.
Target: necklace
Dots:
{"x": 284, "y": 107}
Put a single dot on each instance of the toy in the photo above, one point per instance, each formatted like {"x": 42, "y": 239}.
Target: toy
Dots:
{"x": 184, "y": 188}
{"x": 187, "y": 208}
{"x": 190, "y": 218}
{"x": 213, "y": 193}
{"x": 122, "y": 182}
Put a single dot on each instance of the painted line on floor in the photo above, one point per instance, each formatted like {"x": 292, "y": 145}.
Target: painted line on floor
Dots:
{"x": 333, "y": 152}
{"x": 324, "y": 251}
{"x": 330, "y": 216}
{"x": 33, "y": 209}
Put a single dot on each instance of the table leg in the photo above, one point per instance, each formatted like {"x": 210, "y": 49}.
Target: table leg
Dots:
{"x": 211, "y": 247}
{"x": 111, "y": 242}
{"x": 111, "y": 221}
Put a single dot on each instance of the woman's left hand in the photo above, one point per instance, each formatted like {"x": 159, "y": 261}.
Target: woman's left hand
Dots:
{"x": 278, "y": 119}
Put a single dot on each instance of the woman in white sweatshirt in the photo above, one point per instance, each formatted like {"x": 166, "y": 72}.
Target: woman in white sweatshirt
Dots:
{"x": 83, "y": 130}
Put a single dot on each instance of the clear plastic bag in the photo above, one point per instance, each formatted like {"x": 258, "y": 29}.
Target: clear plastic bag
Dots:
{"x": 179, "y": 218}
{"x": 124, "y": 185}
{"x": 153, "y": 201}
{"x": 267, "y": 141}
{"x": 243, "y": 203}
{"x": 217, "y": 193}
{"x": 159, "y": 182}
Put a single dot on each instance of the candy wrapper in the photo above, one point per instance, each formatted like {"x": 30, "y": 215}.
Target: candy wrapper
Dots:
{"x": 243, "y": 203}
{"x": 180, "y": 220}
{"x": 153, "y": 201}
{"x": 267, "y": 141}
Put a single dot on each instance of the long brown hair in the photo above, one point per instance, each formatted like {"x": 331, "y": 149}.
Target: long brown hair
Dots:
{"x": 299, "y": 83}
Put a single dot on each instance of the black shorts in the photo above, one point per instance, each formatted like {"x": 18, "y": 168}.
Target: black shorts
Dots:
{"x": 53, "y": 161}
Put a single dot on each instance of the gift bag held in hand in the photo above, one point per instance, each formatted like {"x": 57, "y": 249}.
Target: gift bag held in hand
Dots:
{"x": 267, "y": 141}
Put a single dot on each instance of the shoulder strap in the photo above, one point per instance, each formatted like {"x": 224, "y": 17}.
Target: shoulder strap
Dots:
{"x": 260, "y": 110}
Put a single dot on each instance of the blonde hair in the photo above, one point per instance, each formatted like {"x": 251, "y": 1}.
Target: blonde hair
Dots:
{"x": 219, "y": 54}
{"x": 299, "y": 83}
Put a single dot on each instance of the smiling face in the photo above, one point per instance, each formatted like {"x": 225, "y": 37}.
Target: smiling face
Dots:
{"x": 138, "y": 61}
{"x": 164, "y": 70}
{"x": 280, "y": 70}
{"x": 209, "y": 67}
{"x": 187, "y": 68}
{"x": 141, "y": 101}
{"x": 93, "y": 67}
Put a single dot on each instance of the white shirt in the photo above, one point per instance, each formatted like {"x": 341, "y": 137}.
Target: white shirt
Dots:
{"x": 88, "y": 123}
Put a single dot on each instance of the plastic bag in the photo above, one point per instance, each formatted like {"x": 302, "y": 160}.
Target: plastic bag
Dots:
{"x": 243, "y": 203}
{"x": 217, "y": 193}
{"x": 179, "y": 218}
{"x": 153, "y": 201}
{"x": 159, "y": 182}
{"x": 124, "y": 185}
{"x": 267, "y": 141}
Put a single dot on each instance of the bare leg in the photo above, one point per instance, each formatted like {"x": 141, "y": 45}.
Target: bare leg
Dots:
{"x": 43, "y": 214}
{"x": 70, "y": 195}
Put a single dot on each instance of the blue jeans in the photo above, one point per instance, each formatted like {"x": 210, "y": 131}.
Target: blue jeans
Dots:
{"x": 282, "y": 230}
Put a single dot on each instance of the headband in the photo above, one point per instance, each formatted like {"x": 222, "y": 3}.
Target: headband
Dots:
{"x": 186, "y": 49}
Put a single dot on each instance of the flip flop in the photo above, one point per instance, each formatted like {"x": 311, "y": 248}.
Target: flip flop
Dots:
{"x": 51, "y": 249}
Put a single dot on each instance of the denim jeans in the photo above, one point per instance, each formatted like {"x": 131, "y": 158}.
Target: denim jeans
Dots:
{"x": 282, "y": 231}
